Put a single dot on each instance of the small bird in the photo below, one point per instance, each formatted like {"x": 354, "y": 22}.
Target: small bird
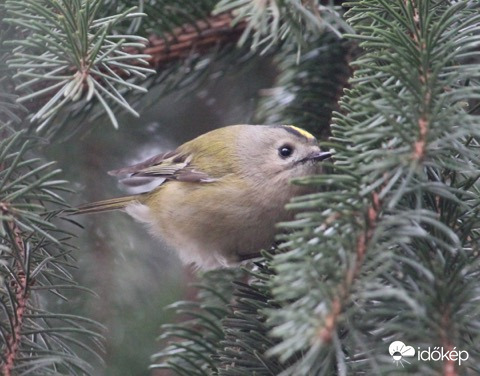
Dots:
{"x": 220, "y": 195}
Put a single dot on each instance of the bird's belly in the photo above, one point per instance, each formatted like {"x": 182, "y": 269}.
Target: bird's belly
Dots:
{"x": 211, "y": 228}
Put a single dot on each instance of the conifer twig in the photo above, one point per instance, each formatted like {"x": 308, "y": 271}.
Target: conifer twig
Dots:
{"x": 199, "y": 37}
{"x": 20, "y": 285}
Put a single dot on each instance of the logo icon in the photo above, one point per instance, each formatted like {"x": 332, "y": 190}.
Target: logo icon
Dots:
{"x": 399, "y": 351}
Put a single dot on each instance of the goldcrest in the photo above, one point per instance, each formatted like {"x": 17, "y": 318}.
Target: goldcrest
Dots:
{"x": 220, "y": 195}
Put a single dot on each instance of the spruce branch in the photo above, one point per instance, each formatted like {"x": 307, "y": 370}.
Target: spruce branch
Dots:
{"x": 271, "y": 22}
{"x": 20, "y": 292}
{"x": 371, "y": 254}
{"x": 35, "y": 258}
{"x": 225, "y": 332}
{"x": 191, "y": 347}
{"x": 247, "y": 337}
{"x": 67, "y": 53}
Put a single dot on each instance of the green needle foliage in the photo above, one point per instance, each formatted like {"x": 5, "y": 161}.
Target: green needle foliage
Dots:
{"x": 66, "y": 51}
{"x": 8, "y": 106}
{"x": 271, "y": 22}
{"x": 389, "y": 251}
{"x": 247, "y": 334}
{"x": 36, "y": 261}
{"x": 193, "y": 344}
{"x": 226, "y": 332}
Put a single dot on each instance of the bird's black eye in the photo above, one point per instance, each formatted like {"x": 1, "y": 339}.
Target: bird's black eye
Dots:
{"x": 285, "y": 151}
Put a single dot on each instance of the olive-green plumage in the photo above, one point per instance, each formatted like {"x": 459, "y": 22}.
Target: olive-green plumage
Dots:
{"x": 222, "y": 193}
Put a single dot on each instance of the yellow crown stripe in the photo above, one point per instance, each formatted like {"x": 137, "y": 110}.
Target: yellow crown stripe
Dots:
{"x": 303, "y": 132}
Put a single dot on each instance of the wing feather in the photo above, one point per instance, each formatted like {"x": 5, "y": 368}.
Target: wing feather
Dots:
{"x": 152, "y": 161}
{"x": 171, "y": 165}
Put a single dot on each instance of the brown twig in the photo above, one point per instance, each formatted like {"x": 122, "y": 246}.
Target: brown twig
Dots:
{"x": 420, "y": 146}
{"x": 449, "y": 367}
{"x": 20, "y": 286}
{"x": 325, "y": 332}
{"x": 189, "y": 39}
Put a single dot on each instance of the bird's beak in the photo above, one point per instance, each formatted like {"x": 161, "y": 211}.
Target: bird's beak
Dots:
{"x": 319, "y": 156}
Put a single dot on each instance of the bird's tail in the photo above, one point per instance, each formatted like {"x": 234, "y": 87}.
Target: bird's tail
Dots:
{"x": 105, "y": 205}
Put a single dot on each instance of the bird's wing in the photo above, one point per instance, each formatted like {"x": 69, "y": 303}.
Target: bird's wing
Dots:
{"x": 167, "y": 166}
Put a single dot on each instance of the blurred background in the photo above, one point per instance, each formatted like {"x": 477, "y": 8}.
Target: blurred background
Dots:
{"x": 134, "y": 276}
